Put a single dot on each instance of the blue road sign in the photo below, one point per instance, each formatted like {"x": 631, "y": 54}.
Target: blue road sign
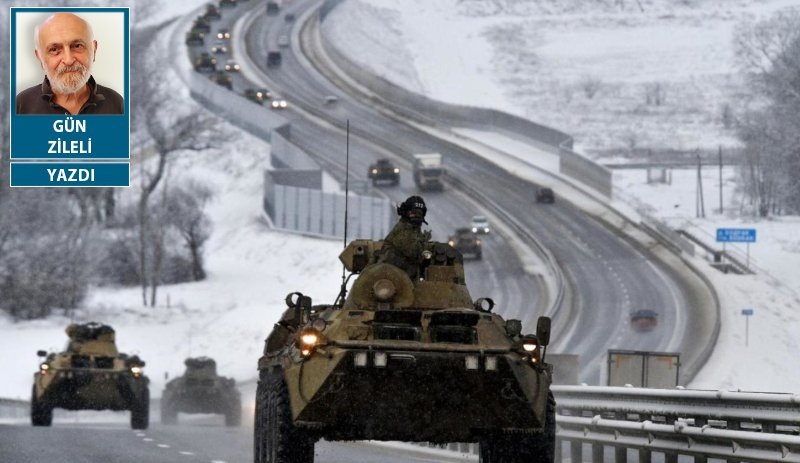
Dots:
{"x": 747, "y": 312}
{"x": 738, "y": 235}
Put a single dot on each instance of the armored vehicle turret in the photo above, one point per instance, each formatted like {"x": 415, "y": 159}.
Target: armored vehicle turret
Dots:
{"x": 201, "y": 390}
{"x": 90, "y": 374}
{"x": 402, "y": 359}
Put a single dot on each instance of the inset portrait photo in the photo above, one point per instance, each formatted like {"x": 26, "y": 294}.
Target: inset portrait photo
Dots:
{"x": 69, "y": 61}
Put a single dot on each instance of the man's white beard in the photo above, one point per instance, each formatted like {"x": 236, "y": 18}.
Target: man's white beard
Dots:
{"x": 69, "y": 82}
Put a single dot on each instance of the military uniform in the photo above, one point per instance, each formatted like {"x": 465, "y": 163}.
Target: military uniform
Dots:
{"x": 403, "y": 247}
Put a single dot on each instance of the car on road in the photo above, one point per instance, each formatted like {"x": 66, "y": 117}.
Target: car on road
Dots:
{"x": 479, "y": 224}
{"x": 283, "y": 41}
{"x": 232, "y": 66}
{"x": 545, "y": 195}
{"x": 467, "y": 243}
{"x": 219, "y": 47}
{"x": 289, "y": 17}
{"x": 222, "y": 78}
{"x": 224, "y": 34}
{"x": 279, "y": 103}
{"x": 205, "y": 62}
{"x": 644, "y": 319}
{"x": 252, "y": 95}
{"x": 274, "y": 59}
{"x": 227, "y": 3}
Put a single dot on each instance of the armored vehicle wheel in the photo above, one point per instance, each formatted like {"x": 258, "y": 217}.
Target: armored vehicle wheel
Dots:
{"x": 140, "y": 411}
{"x": 538, "y": 448}
{"x": 41, "y": 413}
{"x": 168, "y": 414}
{"x": 233, "y": 417}
{"x": 276, "y": 438}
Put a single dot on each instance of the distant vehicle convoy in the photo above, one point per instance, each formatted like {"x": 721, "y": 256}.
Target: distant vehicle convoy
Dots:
{"x": 90, "y": 374}
{"x": 383, "y": 170}
{"x": 429, "y": 171}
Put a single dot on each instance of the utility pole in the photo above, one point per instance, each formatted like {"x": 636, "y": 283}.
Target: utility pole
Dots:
{"x": 720, "y": 180}
{"x": 700, "y": 203}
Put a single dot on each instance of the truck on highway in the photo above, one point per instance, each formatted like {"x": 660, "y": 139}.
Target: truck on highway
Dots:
{"x": 429, "y": 171}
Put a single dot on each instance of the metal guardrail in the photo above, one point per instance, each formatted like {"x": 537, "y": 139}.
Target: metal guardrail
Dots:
{"x": 730, "y": 426}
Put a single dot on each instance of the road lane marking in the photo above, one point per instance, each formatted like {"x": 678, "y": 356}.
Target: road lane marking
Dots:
{"x": 163, "y": 446}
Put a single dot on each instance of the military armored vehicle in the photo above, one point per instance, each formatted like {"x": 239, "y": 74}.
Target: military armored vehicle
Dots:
{"x": 396, "y": 359}
{"x": 205, "y": 62}
{"x": 201, "y": 390}
{"x": 90, "y": 374}
{"x": 195, "y": 38}
{"x": 383, "y": 170}
{"x": 467, "y": 243}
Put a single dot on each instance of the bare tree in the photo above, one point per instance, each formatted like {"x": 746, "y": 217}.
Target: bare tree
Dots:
{"x": 162, "y": 133}
{"x": 186, "y": 208}
{"x": 769, "y": 53}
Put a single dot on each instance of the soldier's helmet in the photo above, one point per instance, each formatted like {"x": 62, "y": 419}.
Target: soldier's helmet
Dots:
{"x": 414, "y": 209}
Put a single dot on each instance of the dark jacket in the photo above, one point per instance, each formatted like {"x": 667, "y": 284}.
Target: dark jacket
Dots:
{"x": 39, "y": 100}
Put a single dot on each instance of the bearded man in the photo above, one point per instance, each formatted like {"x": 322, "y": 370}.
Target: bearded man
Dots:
{"x": 66, "y": 50}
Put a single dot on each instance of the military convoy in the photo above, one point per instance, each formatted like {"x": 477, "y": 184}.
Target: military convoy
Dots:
{"x": 90, "y": 374}
{"x": 396, "y": 359}
{"x": 201, "y": 390}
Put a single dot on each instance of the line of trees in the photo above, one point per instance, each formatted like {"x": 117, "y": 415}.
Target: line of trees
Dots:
{"x": 769, "y": 52}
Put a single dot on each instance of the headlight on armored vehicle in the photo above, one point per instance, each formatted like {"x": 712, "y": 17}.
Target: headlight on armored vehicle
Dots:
{"x": 308, "y": 340}
{"x": 380, "y": 359}
{"x": 529, "y": 346}
{"x": 472, "y": 362}
{"x": 43, "y": 368}
{"x": 491, "y": 363}
{"x": 136, "y": 371}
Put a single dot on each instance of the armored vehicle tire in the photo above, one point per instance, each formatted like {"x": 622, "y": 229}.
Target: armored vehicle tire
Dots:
{"x": 41, "y": 413}
{"x": 276, "y": 438}
{"x": 539, "y": 448}
{"x": 168, "y": 414}
{"x": 140, "y": 411}
{"x": 234, "y": 416}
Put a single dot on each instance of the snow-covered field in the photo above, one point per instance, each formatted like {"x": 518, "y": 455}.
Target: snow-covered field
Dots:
{"x": 462, "y": 51}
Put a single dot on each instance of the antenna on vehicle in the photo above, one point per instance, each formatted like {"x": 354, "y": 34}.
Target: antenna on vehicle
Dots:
{"x": 343, "y": 290}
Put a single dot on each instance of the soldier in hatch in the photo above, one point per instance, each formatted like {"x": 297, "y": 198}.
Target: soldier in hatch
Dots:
{"x": 403, "y": 246}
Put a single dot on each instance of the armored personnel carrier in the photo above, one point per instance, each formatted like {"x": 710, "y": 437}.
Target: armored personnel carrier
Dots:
{"x": 201, "y": 390}
{"x": 90, "y": 374}
{"x": 396, "y": 359}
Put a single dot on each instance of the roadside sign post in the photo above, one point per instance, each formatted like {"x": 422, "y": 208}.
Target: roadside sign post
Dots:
{"x": 737, "y": 235}
{"x": 747, "y": 314}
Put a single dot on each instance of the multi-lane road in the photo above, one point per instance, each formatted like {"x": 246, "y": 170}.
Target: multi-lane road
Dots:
{"x": 606, "y": 274}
